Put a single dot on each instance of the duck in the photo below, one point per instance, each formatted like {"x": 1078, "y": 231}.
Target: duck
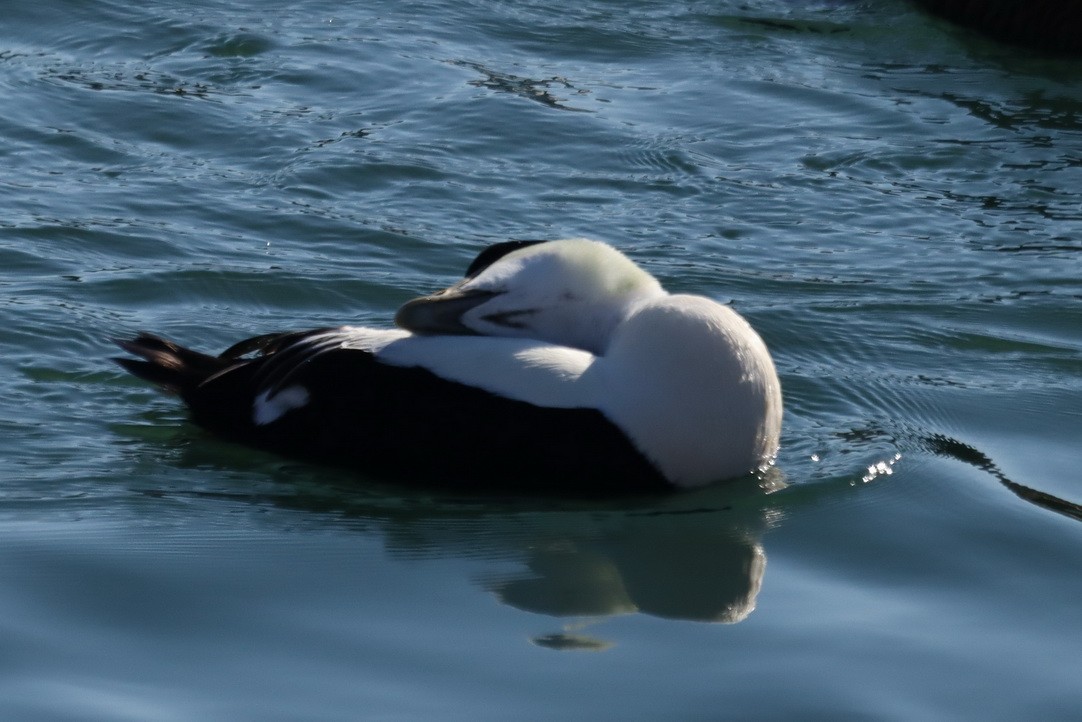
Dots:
{"x": 551, "y": 367}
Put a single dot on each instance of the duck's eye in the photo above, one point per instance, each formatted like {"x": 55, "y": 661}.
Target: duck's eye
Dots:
{"x": 510, "y": 319}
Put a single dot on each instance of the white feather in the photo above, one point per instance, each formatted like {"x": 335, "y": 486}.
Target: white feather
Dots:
{"x": 269, "y": 407}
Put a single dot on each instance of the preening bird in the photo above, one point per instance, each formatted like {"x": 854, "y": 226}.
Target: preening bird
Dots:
{"x": 555, "y": 366}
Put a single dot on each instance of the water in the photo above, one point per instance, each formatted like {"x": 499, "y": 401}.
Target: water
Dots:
{"x": 895, "y": 205}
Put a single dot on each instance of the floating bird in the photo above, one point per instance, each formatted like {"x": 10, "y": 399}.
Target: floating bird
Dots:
{"x": 555, "y": 366}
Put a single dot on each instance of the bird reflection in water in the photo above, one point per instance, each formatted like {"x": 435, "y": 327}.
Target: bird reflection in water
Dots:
{"x": 699, "y": 562}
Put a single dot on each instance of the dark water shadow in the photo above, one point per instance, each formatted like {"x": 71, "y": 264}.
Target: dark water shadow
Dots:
{"x": 948, "y": 447}
{"x": 954, "y": 449}
{"x": 537, "y": 90}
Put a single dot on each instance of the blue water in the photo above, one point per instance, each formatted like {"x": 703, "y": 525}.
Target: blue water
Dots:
{"x": 894, "y": 203}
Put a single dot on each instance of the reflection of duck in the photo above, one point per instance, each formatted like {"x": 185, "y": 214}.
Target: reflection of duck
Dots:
{"x": 696, "y": 557}
{"x": 1052, "y": 25}
{"x": 675, "y": 390}
{"x": 662, "y": 572}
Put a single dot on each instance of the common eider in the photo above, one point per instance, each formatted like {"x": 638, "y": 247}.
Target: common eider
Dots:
{"x": 600, "y": 382}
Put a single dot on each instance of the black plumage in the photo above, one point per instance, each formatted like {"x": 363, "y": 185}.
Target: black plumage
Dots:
{"x": 403, "y": 423}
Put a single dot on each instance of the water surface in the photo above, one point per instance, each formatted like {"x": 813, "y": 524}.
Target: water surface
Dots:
{"x": 895, "y": 204}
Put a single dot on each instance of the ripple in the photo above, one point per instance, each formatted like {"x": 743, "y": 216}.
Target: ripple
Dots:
{"x": 105, "y": 78}
{"x": 239, "y": 45}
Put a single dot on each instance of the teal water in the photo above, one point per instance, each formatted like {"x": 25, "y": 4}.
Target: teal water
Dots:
{"x": 895, "y": 204}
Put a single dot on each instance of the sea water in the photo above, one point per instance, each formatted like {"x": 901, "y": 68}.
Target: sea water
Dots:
{"x": 894, "y": 203}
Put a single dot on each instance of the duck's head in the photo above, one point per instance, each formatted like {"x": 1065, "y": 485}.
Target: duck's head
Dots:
{"x": 572, "y": 292}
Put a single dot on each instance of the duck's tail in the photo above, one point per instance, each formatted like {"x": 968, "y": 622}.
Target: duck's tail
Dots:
{"x": 174, "y": 368}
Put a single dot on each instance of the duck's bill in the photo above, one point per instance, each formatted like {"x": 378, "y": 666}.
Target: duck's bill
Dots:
{"x": 441, "y": 312}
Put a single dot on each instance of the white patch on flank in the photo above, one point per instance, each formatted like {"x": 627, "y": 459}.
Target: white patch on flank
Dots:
{"x": 268, "y": 408}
